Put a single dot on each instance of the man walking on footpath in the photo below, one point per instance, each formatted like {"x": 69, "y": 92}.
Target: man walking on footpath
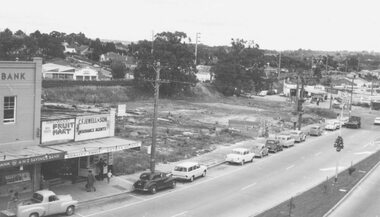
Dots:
{"x": 90, "y": 181}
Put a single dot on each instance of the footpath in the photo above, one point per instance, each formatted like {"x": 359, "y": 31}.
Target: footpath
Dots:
{"x": 123, "y": 184}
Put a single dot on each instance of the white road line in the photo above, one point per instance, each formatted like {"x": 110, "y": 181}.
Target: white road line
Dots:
{"x": 364, "y": 146}
{"x": 163, "y": 194}
{"x": 364, "y": 152}
{"x": 248, "y": 186}
{"x": 289, "y": 167}
{"x": 318, "y": 154}
{"x": 179, "y": 214}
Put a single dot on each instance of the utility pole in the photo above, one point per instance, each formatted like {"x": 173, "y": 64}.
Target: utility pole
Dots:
{"x": 331, "y": 86}
{"x": 352, "y": 91}
{"x": 197, "y": 37}
{"x": 297, "y": 100}
{"x": 300, "y": 101}
{"x": 155, "y": 114}
{"x": 279, "y": 66}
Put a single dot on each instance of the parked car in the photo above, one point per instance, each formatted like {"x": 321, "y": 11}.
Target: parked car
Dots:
{"x": 44, "y": 203}
{"x": 285, "y": 140}
{"x": 376, "y": 121}
{"x": 273, "y": 145}
{"x": 263, "y": 93}
{"x": 353, "y": 122}
{"x": 298, "y": 135}
{"x": 260, "y": 150}
{"x": 332, "y": 125}
{"x": 315, "y": 131}
{"x": 189, "y": 171}
{"x": 151, "y": 182}
{"x": 240, "y": 156}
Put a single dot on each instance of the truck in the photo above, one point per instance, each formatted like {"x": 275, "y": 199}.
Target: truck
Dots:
{"x": 353, "y": 122}
{"x": 43, "y": 203}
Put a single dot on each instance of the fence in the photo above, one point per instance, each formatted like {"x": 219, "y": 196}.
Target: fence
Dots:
{"x": 71, "y": 83}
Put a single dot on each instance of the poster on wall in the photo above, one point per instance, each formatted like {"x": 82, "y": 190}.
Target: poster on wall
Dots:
{"x": 57, "y": 130}
{"x": 17, "y": 177}
{"x": 92, "y": 127}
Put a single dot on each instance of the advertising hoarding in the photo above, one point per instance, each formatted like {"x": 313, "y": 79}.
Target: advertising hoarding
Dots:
{"x": 92, "y": 127}
{"x": 57, "y": 130}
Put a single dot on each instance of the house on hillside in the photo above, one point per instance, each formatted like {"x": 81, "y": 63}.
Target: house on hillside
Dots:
{"x": 68, "y": 48}
{"x": 86, "y": 74}
{"x": 58, "y": 72}
{"x": 112, "y": 56}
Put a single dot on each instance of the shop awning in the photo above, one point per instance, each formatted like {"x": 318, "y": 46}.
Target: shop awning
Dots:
{"x": 96, "y": 146}
{"x": 11, "y": 157}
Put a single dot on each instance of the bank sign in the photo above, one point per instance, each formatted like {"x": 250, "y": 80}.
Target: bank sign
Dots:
{"x": 57, "y": 130}
{"x": 92, "y": 127}
{"x": 31, "y": 160}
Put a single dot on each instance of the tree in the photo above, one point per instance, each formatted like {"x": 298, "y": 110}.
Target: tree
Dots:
{"x": 176, "y": 63}
{"x": 118, "y": 69}
{"x": 240, "y": 68}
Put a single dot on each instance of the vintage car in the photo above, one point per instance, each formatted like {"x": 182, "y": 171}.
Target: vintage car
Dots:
{"x": 189, "y": 171}
{"x": 332, "y": 125}
{"x": 240, "y": 156}
{"x": 44, "y": 203}
{"x": 298, "y": 135}
{"x": 151, "y": 182}
{"x": 285, "y": 140}
{"x": 376, "y": 121}
{"x": 273, "y": 145}
{"x": 260, "y": 150}
{"x": 315, "y": 131}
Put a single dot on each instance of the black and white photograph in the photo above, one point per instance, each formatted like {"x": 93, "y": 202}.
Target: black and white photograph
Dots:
{"x": 190, "y": 108}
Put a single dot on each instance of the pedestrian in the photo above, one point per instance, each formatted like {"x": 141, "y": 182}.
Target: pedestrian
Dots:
{"x": 109, "y": 175}
{"x": 90, "y": 181}
{"x": 318, "y": 102}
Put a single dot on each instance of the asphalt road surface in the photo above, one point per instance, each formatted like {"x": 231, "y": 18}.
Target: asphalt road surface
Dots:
{"x": 364, "y": 200}
{"x": 232, "y": 190}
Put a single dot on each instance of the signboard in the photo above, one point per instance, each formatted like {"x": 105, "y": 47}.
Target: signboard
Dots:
{"x": 92, "y": 127}
{"x": 102, "y": 150}
{"x": 17, "y": 177}
{"x": 121, "y": 110}
{"x": 57, "y": 130}
{"x": 31, "y": 160}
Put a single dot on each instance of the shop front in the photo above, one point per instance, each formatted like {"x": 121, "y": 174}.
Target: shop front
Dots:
{"x": 95, "y": 155}
{"x": 20, "y": 169}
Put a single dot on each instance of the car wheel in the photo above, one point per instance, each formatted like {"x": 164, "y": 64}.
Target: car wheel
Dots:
{"x": 70, "y": 210}
{"x": 192, "y": 179}
{"x": 204, "y": 173}
{"x": 34, "y": 215}
{"x": 153, "y": 189}
{"x": 173, "y": 184}
{"x": 242, "y": 162}
{"x": 254, "y": 157}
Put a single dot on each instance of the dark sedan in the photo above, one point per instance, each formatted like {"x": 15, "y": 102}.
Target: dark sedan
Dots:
{"x": 273, "y": 145}
{"x": 151, "y": 182}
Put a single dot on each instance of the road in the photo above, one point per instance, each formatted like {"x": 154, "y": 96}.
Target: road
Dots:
{"x": 231, "y": 190}
{"x": 364, "y": 200}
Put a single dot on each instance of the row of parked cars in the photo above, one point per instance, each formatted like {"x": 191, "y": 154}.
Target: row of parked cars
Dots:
{"x": 189, "y": 171}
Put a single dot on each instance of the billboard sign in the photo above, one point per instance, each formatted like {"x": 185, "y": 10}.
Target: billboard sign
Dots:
{"x": 57, "y": 130}
{"x": 92, "y": 127}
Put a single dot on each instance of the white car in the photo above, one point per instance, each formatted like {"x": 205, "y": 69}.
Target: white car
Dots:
{"x": 286, "y": 140}
{"x": 332, "y": 125}
{"x": 240, "y": 156}
{"x": 377, "y": 121}
{"x": 263, "y": 93}
{"x": 298, "y": 135}
{"x": 189, "y": 171}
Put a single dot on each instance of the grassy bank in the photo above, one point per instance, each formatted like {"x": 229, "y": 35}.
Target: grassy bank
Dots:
{"x": 320, "y": 199}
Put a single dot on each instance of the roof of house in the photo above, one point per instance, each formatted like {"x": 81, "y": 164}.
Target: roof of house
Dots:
{"x": 51, "y": 67}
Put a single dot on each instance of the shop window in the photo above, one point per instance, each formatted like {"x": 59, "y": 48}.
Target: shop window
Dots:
{"x": 93, "y": 78}
{"x": 83, "y": 163}
{"x": 86, "y": 78}
{"x": 9, "y": 109}
{"x": 80, "y": 78}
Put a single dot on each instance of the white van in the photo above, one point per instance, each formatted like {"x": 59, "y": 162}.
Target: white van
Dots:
{"x": 286, "y": 140}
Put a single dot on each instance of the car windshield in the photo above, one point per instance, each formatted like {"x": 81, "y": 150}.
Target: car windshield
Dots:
{"x": 294, "y": 133}
{"x": 145, "y": 176}
{"x": 270, "y": 142}
{"x": 180, "y": 169}
{"x": 37, "y": 198}
{"x": 236, "y": 152}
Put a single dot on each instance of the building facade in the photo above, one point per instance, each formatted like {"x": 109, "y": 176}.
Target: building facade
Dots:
{"x": 20, "y": 112}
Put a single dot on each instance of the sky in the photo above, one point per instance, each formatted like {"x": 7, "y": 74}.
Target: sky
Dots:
{"x": 329, "y": 25}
